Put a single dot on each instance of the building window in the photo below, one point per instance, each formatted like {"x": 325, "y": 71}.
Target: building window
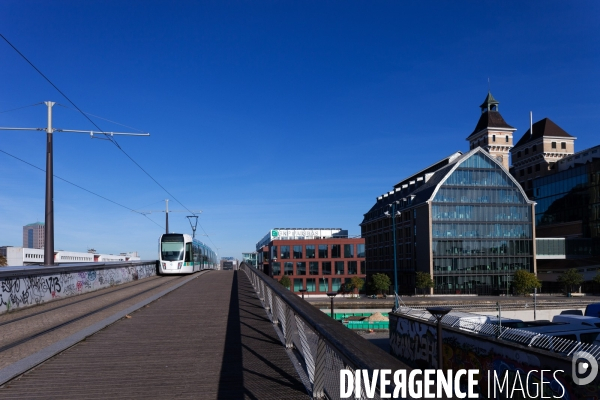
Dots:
{"x": 563, "y": 145}
{"x": 323, "y": 285}
{"x": 310, "y": 285}
{"x": 326, "y": 267}
{"x": 518, "y": 154}
{"x": 297, "y": 251}
{"x": 313, "y": 268}
{"x": 336, "y": 284}
{"x": 352, "y": 268}
{"x": 526, "y": 151}
{"x": 285, "y": 252}
{"x": 348, "y": 251}
{"x": 336, "y": 251}
{"x": 276, "y": 268}
{"x": 537, "y": 167}
{"x": 323, "y": 253}
{"x": 507, "y": 139}
{"x": 298, "y": 285}
{"x": 288, "y": 268}
{"x": 529, "y": 169}
{"x": 493, "y": 138}
{"x": 553, "y": 145}
{"x": 301, "y": 268}
{"x": 339, "y": 268}
{"x": 363, "y": 267}
{"x": 360, "y": 250}
{"x": 310, "y": 251}
{"x": 522, "y": 172}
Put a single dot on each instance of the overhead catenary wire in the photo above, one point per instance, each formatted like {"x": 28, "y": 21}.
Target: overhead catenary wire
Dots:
{"x": 20, "y": 108}
{"x": 80, "y": 187}
{"x": 112, "y": 139}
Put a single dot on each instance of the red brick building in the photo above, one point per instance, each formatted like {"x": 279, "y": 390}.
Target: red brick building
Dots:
{"x": 318, "y": 260}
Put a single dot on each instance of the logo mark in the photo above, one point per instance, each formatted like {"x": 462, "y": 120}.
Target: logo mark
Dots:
{"x": 584, "y": 368}
{"x": 274, "y": 233}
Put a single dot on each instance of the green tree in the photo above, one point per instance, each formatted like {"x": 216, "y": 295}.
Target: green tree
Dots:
{"x": 570, "y": 278}
{"x": 3, "y": 262}
{"x": 356, "y": 283}
{"x": 524, "y": 282}
{"x": 285, "y": 281}
{"x": 597, "y": 278}
{"x": 380, "y": 282}
{"x": 423, "y": 280}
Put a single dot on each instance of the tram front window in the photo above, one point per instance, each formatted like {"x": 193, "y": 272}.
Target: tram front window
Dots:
{"x": 172, "y": 251}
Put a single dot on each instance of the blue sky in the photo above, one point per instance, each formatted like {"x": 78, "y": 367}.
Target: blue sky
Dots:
{"x": 269, "y": 113}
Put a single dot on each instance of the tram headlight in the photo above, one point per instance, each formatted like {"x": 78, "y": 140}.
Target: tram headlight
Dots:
{"x": 179, "y": 265}
{"x": 164, "y": 265}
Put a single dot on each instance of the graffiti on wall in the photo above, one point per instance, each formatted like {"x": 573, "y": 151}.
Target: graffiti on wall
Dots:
{"x": 36, "y": 289}
{"x": 415, "y": 343}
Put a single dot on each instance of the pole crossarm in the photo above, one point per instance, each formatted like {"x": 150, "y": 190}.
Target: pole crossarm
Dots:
{"x": 92, "y": 133}
{"x": 49, "y": 198}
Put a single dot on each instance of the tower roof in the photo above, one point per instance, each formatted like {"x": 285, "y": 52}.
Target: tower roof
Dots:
{"x": 489, "y": 103}
{"x": 543, "y": 128}
{"x": 490, "y": 119}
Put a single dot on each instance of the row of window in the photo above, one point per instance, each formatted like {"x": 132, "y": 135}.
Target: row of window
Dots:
{"x": 481, "y": 230}
{"x": 481, "y": 247}
{"x": 480, "y": 213}
{"x": 563, "y": 146}
{"x": 530, "y": 169}
{"x": 310, "y": 251}
{"x": 313, "y": 268}
{"x": 310, "y": 284}
{"x": 469, "y": 195}
{"x": 479, "y": 265}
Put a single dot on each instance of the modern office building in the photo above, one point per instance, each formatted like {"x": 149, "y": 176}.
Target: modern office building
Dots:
{"x": 568, "y": 206}
{"x": 34, "y": 236}
{"x": 464, "y": 220}
{"x": 318, "y": 260}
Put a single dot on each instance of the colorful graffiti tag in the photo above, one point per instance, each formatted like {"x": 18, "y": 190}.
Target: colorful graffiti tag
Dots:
{"x": 31, "y": 290}
{"x": 415, "y": 343}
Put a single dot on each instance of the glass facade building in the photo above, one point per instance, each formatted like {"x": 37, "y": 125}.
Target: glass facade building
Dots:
{"x": 464, "y": 220}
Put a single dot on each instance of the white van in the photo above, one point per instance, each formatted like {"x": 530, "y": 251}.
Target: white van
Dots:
{"x": 577, "y": 320}
{"x": 563, "y": 330}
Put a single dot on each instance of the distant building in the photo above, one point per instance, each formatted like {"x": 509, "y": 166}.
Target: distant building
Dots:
{"x": 464, "y": 220}
{"x": 34, "y": 236}
{"x": 536, "y": 154}
{"x": 18, "y": 256}
{"x": 492, "y": 133}
{"x": 318, "y": 260}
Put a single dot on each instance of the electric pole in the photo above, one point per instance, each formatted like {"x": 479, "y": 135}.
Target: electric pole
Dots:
{"x": 49, "y": 215}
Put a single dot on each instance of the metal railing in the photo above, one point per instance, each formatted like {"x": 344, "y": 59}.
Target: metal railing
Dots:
{"x": 324, "y": 345}
{"x": 564, "y": 347}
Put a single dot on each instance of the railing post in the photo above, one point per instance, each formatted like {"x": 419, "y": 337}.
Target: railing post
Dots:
{"x": 319, "y": 376}
{"x": 289, "y": 340}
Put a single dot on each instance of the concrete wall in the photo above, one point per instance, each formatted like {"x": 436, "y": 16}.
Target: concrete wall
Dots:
{"x": 24, "y": 291}
{"x": 414, "y": 342}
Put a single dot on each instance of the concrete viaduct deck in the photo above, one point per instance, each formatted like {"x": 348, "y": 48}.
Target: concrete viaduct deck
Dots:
{"x": 210, "y": 338}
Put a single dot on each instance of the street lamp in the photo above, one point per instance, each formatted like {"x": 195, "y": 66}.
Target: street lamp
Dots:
{"x": 438, "y": 313}
{"x": 331, "y": 295}
{"x": 302, "y": 291}
{"x": 393, "y": 216}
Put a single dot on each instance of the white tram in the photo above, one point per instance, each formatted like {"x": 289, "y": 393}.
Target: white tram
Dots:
{"x": 179, "y": 254}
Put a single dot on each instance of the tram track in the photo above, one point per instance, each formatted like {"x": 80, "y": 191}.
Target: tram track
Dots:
{"x": 105, "y": 292}
{"x": 35, "y": 335}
